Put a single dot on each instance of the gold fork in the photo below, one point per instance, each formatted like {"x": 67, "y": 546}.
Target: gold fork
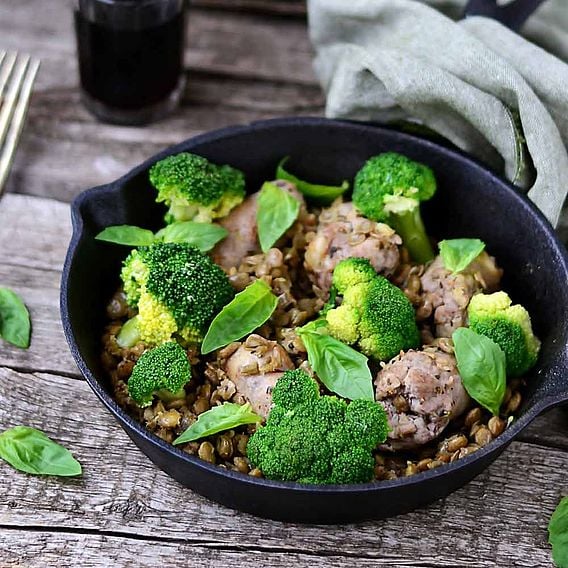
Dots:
{"x": 17, "y": 74}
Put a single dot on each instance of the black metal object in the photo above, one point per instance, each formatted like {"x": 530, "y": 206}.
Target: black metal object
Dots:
{"x": 471, "y": 202}
{"x": 513, "y": 15}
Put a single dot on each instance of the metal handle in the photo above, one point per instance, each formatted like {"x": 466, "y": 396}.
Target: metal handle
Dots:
{"x": 513, "y": 15}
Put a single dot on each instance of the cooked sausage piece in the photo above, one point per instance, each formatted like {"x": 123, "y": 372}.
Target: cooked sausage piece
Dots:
{"x": 255, "y": 367}
{"x": 343, "y": 233}
{"x": 242, "y": 239}
{"x": 421, "y": 392}
{"x": 447, "y": 295}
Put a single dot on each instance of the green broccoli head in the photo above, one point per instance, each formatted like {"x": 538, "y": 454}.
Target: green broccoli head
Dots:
{"x": 177, "y": 290}
{"x": 317, "y": 439}
{"x": 389, "y": 188}
{"x": 194, "y": 189}
{"x": 374, "y": 314}
{"x": 509, "y": 326}
{"x": 162, "y": 371}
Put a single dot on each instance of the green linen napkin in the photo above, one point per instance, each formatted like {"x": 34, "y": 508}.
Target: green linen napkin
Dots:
{"x": 488, "y": 90}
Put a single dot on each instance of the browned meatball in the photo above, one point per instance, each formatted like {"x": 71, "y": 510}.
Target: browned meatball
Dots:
{"x": 446, "y": 295}
{"x": 255, "y": 367}
{"x": 343, "y": 233}
{"x": 242, "y": 239}
{"x": 421, "y": 392}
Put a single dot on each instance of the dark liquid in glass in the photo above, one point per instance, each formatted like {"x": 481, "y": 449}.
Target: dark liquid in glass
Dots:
{"x": 130, "y": 69}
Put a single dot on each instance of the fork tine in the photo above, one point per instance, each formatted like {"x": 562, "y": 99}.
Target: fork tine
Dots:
{"x": 19, "y": 117}
{"x": 6, "y": 66}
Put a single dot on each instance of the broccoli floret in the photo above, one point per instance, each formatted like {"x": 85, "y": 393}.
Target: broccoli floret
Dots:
{"x": 509, "y": 326}
{"x": 177, "y": 290}
{"x": 317, "y": 439}
{"x": 389, "y": 188}
{"x": 374, "y": 313}
{"x": 162, "y": 371}
{"x": 194, "y": 189}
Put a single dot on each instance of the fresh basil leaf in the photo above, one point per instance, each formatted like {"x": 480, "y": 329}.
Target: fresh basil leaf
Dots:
{"x": 204, "y": 236}
{"x": 340, "y": 368}
{"x": 15, "y": 325}
{"x": 30, "y": 450}
{"x": 558, "y": 534}
{"x": 277, "y": 211}
{"x": 126, "y": 235}
{"x": 219, "y": 418}
{"x": 481, "y": 364}
{"x": 247, "y": 311}
{"x": 458, "y": 254}
{"x": 322, "y": 194}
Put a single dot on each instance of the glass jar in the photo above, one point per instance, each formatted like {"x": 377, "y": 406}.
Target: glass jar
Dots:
{"x": 130, "y": 57}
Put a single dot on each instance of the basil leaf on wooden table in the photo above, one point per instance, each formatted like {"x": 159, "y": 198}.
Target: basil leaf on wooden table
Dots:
{"x": 126, "y": 235}
{"x": 558, "y": 534}
{"x": 30, "y": 450}
{"x": 481, "y": 364}
{"x": 15, "y": 325}
{"x": 276, "y": 213}
{"x": 247, "y": 311}
{"x": 219, "y": 418}
{"x": 203, "y": 236}
{"x": 340, "y": 368}
{"x": 323, "y": 194}
{"x": 458, "y": 254}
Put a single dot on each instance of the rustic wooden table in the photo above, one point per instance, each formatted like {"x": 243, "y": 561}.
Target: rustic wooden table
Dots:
{"x": 247, "y": 60}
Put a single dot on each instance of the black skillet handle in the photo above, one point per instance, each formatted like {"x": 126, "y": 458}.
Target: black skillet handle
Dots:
{"x": 512, "y": 15}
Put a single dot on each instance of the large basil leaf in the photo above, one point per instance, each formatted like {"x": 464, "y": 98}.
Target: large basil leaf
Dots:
{"x": 126, "y": 235}
{"x": 340, "y": 368}
{"x": 458, "y": 254}
{"x": 15, "y": 326}
{"x": 322, "y": 194}
{"x": 203, "y": 236}
{"x": 558, "y": 534}
{"x": 219, "y": 418}
{"x": 31, "y": 451}
{"x": 247, "y": 311}
{"x": 481, "y": 364}
{"x": 277, "y": 211}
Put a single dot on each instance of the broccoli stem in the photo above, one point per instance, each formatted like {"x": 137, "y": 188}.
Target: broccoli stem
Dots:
{"x": 408, "y": 224}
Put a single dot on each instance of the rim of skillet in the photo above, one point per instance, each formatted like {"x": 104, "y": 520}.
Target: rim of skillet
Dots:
{"x": 231, "y": 131}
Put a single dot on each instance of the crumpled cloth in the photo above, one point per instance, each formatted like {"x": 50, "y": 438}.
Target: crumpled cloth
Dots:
{"x": 493, "y": 93}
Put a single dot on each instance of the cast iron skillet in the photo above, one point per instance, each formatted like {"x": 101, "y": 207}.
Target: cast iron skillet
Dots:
{"x": 471, "y": 202}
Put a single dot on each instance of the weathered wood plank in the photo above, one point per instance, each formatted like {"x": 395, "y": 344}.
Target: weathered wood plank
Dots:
{"x": 33, "y": 232}
{"x": 60, "y": 132}
{"x": 48, "y": 350}
{"x": 122, "y": 492}
{"x": 281, "y": 8}
{"x": 227, "y": 43}
{"x": 42, "y": 548}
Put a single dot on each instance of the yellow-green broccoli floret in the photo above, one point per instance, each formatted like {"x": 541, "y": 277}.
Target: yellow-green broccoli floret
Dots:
{"x": 509, "y": 326}
{"x": 177, "y": 289}
{"x": 374, "y": 313}
{"x": 162, "y": 372}
{"x": 195, "y": 189}
{"x": 389, "y": 188}
{"x": 310, "y": 438}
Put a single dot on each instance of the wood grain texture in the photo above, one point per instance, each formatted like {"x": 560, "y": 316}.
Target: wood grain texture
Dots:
{"x": 497, "y": 520}
{"x": 242, "y": 66}
{"x": 279, "y": 7}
